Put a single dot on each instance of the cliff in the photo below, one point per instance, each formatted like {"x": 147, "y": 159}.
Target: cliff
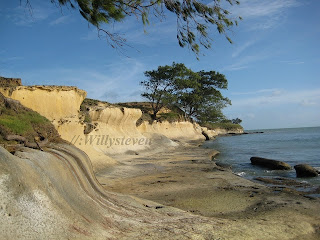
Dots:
{"x": 52, "y": 102}
{"x": 113, "y": 129}
{"x": 174, "y": 130}
{"x": 212, "y": 133}
{"x": 10, "y": 82}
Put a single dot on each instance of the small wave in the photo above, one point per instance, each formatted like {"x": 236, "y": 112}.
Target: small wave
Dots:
{"x": 241, "y": 174}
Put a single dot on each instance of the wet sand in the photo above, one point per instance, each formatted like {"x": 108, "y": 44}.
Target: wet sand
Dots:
{"x": 185, "y": 177}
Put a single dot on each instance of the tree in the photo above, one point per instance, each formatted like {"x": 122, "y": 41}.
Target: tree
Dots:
{"x": 200, "y": 98}
{"x": 160, "y": 86}
{"x": 211, "y": 114}
{"x": 194, "y": 18}
{"x": 236, "y": 121}
{"x": 196, "y": 93}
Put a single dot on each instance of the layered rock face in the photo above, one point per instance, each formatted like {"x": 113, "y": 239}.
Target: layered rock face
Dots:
{"x": 52, "y": 102}
{"x": 53, "y": 194}
{"x": 216, "y": 132}
{"x": 114, "y": 129}
{"x": 174, "y": 130}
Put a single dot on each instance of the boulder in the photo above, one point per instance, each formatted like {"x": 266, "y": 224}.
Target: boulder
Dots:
{"x": 269, "y": 163}
{"x": 304, "y": 170}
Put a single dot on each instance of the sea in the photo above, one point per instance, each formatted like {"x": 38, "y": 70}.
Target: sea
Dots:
{"x": 291, "y": 145}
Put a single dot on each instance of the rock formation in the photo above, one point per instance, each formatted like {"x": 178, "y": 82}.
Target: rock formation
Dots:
{"x": 269, "y": 163}
{"x": 10, "y": 82}
{"x": 113, "y": 129}
{"x": 304, "y": 170}
{"x": 55, "y": 195}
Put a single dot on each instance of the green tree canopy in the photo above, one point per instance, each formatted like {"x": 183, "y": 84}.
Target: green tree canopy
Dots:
{"x": 194, "y": 18}
{"x": 196, "y": 93}
{"x": 161, "y": 85}
{"x": 200, "y": 95}
{"x": 236, "y": 121}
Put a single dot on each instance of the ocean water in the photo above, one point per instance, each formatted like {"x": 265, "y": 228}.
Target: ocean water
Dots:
{"x": 293, "y": 146}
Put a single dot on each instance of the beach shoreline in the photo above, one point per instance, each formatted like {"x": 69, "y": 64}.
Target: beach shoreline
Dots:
{"x": 185, "y": 177}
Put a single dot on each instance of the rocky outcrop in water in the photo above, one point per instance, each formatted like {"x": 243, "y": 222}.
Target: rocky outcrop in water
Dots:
{"x": 270, "y": 163}
{"x": 304, "y": 170}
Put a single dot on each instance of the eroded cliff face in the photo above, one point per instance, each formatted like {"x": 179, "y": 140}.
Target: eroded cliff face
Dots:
{"x": 114, "y": 128}
{"x": 114, "y": 132}
{"x": 212, "y": 133}
{"x": 53, "y": 102}
{"x": 174, "y": 130}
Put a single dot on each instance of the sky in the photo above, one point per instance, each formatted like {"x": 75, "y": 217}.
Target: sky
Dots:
{"x": 272, "y": 67}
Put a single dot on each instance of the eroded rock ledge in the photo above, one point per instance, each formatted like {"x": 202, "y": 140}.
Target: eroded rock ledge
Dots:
{"x": 61, "y": 105}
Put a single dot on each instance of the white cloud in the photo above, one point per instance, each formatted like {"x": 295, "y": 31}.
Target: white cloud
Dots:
{"x": 257, "y": 8}
{"x": 160, "y": 32}
{"x": 132, "y": 29}
{"x": 280, "y": 97}
{"x": 9, "y": 59}
{"x": 272, "y": 90}
{"x": 25, "y": 16}
{"x": 293, "y": 62}
{"x": 243, "y": 47}
{"x": 261, "y": 15}
{"x": 276, "y": 108}
{"x": 115, "y": 83}
{"x": 308, "y": 102}
{"x": 60, "y": 20}
{"x": 245, "y": 62}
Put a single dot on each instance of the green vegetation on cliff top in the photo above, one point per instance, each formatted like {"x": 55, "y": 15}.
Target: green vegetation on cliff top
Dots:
{"x": 16, "y": 119}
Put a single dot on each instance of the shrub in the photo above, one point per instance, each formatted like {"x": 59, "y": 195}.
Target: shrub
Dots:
{"x": 229, "y": 126}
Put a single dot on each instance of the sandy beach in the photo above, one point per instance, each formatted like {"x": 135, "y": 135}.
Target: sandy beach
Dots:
{"x": 185, "y": 177}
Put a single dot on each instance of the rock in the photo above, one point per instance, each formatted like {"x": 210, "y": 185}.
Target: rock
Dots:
{"x": 282, "y": 181}
{"x": 213, "y": 154}
{"x": 224, "y": 165}
{"x": 205, "y": 134}
{"x": 88, "y": 128}
{"x": 10, "y": 82}
{"x": 304, "y": 170}
{"x": 269, "y": 163}
{"x": 131, "y": 152}
{"x": 252, "y": 132}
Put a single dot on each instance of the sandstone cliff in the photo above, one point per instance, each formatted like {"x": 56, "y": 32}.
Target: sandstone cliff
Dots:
{"x": 173, "y": 130}
{"x": 114, "y": 129}
{"x": 53, "y": 102}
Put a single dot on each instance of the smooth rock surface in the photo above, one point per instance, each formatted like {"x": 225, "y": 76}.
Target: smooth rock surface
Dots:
{"x": 270, "y": 163}
{"x": 304, "y": 170}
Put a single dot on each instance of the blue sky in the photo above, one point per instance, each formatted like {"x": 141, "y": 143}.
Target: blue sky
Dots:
{"x": 273, "y": 66}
